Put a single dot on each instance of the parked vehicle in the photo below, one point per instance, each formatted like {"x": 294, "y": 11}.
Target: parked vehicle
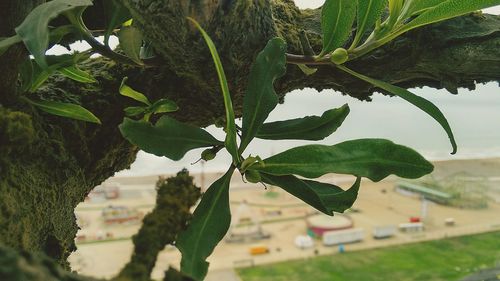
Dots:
{"x": 415, "y": 219}
{"x": 259, "y": 250}
{"x": 336, "y": 237}
{"x": 449, "y": 222}
{"x": 120, "y": 214}
{"x": 384, "y": 231}
{"x": 411, "y": 227}
{"x": 304, "y": 242}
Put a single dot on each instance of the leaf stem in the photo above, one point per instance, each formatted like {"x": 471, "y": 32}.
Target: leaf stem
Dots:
{"x": 105, "y": 50}
{"x": 308, "y": 60}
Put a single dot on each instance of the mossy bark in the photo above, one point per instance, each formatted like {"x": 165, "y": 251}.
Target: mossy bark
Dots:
{"x": 175, "y": 197}
{"x": 49, "y": 164}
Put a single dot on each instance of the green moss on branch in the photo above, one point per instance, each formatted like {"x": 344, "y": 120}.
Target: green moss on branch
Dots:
{"x": 175, "y": 197}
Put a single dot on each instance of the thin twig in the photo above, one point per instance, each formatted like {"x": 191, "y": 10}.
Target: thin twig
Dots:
{"x": 308, "y": 60}
{"x": 109, "y": 53}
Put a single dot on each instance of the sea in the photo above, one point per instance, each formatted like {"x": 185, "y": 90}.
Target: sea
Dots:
{"x": 473, "y": 115}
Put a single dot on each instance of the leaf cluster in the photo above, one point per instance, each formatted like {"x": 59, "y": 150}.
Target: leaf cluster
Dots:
{"x": 373, "y": 31}
{"x": 37, "y": 34}
{"x": 293, "y": 170}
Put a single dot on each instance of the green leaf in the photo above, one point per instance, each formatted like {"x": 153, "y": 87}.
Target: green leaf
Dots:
{"x": 414, "y": 7}
{"x": 131, "y": 93}
{"x": 33, "y": 75}
{"x": 163, "y": 106}
{"x": 337, "y": 17}
{"x": 395, "y": 7}
{"x": 230, "y": 142}
{"x": 395, "y": 10}
{"x": 210, "y": 223}
{"x": 371, "y": 158}
{"x": 5, "y": 43}
{"x": 39, "y": 76}
{"x": 417, "y": 101}
{"x": 68, "y": 110}
{"x": 26, "y": 75}
{"x": 168, "y": 137}
{"x": 369, "y": 11}
{"x": 326, "y": 198}
{"x": 260, "y": 98}
{"x": 55, "y": 36}
{"x": 34, "y": 29}
{"x": 116, "y": 14}
{"x": 448, "y": 9}
{"x": 131, "y": 41}
{"x": 77, "y": 74}
{"x": 135, "y": 110}
{"x": 58, "y": 33}
{"x": 307, "y": 128}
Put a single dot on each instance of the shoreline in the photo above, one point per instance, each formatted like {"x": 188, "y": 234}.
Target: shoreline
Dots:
{"x": 441, "y": 166}
{"x": 378, "y": 204}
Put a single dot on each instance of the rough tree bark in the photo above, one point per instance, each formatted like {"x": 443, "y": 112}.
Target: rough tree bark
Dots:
{"x": 49, "y": 164}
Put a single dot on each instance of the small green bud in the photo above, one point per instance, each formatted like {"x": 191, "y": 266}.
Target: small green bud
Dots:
{"x": 339, "y": 56}
{"x": 208, "y": 154}
{"x": 247, "y": 163}
{"x": 253, "y": 176}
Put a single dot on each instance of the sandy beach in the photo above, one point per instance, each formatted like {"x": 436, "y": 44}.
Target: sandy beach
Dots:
{"x": 377, "y": 204}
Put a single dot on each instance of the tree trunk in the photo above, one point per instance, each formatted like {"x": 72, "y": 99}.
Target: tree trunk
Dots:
{"x": 49, "y": 164}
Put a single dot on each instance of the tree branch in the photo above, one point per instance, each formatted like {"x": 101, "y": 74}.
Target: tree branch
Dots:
{"x": 64, "y": 159}
{"x": 175, "y": 197}
{"x": 452, "y": 54}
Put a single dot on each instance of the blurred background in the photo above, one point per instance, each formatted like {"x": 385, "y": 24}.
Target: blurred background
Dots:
{"x": 441, "y": 227}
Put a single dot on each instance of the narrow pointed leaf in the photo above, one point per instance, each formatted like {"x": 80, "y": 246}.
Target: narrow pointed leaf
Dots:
{"x": 163, "y": 106}
{"x": 58, "y": 33}
{"x": 260, "y": 98}
{"x": 230, "y": 142}
{"x": 131, "y": 41}
{"x": 395, "y": 10}
{"x": 210, "y": 223}
{"x": 337, "y": 17}
{"x": 116, "y": 14}
{"x": 5, "y": 43}
{"x": 34, "y": 75}
{"x": 307, "y": 128}
{"x": 425, "y": 105}
{"x": 448, "y": 9}
{"x": 34, "y": 29}
{"x": 168, "y": 137}
{"x": 131, "y": 93}
{"x": 38, "y": 77}
{"x": 135, "y": 110}
{"x": 395, "y": 7}
{"x": 371, "y": 158}
{"x": 415, "y": 7}
{"x": 68, "y": 110}
{"x": 26, "y": 71}
{"x": 326, "y": 198}
{"x": 369, "y": 11}
{"x": 77, "y": 74}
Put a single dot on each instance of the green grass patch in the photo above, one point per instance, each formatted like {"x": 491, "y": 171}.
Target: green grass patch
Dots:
{"x": 447, "y": 259}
